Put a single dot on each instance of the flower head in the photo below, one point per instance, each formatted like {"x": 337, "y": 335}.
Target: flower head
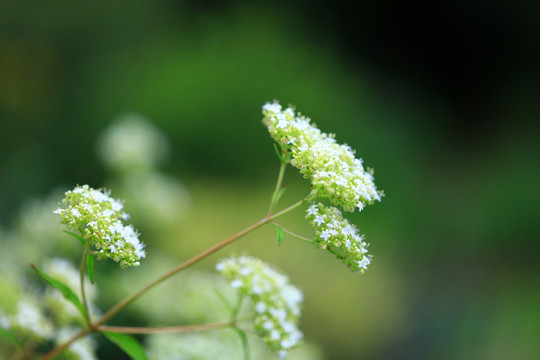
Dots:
{"x": 99, "y": 220}
{"x": 277, "y": 303}
{"x": 336, "y": 234}
{"x": 332, "y": 168}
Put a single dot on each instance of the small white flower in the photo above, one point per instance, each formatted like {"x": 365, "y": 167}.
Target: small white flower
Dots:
{"x": 319, "y": 219}
{"x": 260, "y": 307}
{"x": 236, "y": 283}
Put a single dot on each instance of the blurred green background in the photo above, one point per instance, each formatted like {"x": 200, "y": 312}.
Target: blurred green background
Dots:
{"x": 440, "y": 99}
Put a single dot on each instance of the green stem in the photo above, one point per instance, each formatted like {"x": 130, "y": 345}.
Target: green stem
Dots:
{"x": 286, "y": 210}
{"x": 273, "y": 202}
{"x": 308, "y": 240}
{"x": 165, "y": 329}
{"x": 83, "y": 294}
{"x": 122, "y": 304}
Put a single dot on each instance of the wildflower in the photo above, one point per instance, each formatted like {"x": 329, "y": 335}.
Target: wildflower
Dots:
{"x": 277, "y": 303}
{"x": 337, "y": 235}
{"x": 332, "y": 169}
{"x": 99, "y": 220}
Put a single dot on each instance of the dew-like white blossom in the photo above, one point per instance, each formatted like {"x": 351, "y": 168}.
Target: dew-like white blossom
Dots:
{"x": 335, "y": 234}
{"x": 332, "y": 168}
{"x": 277, "y": 303}
{"x": 99, "y": 220}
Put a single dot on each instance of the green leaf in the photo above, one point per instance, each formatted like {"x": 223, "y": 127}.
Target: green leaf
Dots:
{"x": 245, "y": 344}
{"x": 278, "y": 194}
{"x": 66, "y": 291}
{"x": 75, "y": 236}
{"x": 128, "y": 344}
{"x": 90, "y": 267}
{"x": 280, "y": 234}
{"x": 6, "y": 334}
{"x": 278, "y": 152}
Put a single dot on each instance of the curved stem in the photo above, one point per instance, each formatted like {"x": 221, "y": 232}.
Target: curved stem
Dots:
{"x": 83, "y": 294}
{"x": 122, "y": 304}
{"x": 165, "y": 329}
{"x": 286, "y": 210}
{"x": 56, "y": 351}
{"x": 308, "y": 240}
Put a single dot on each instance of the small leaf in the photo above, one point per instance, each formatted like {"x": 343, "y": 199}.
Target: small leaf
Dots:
{"x": 245, "y": 344}
{"x": 90, "y": 267}
{"x": 128, "y": 344}
{"x": 75, "y": 236}
{"x": 278, "y": 152}
{"x": 278, "y": 194}
{"x": 66, "y": 291}
{"x": 280, "y": 234}
{"x": 6, "y": 334}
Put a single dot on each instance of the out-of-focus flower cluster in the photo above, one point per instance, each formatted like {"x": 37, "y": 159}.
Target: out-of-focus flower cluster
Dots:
{"x": 212, "y": 345}
{"x": 32, "y": 315}
{"x": 133, "y": 149}
{"x": 98, "y": 218}
{"x": 337, "y": 235}
{"x": 63, "y": 310}
{"x": 332, "y": 168}
{"x": 132, "y": 143}
{"x": 82, "y": 349}
{"x": 277, "y": 303}
{"x": 20, "y": 312}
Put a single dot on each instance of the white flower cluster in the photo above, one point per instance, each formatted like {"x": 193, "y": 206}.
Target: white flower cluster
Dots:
{"x": 63, "y": 311}
{"x": 98, "y": 218}
{"x": 30, "y": 320}
{"x": 277, "y": 303}
{"x": 132, "y": 143}
{"x": 336, "y": 234}
{"x": 212, "y": 345}
{"x": 332, "y": 168}
{"x": 20, "y": 313}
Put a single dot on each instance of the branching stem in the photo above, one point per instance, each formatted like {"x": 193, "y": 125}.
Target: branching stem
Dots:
{"x": 165, "y": 329}
{"x": 98, "y": 325}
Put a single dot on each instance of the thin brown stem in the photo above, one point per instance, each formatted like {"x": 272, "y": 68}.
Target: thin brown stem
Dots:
{"x": 165, "y": 329}
{"x": 122, "y": 304}
{"x": 56, "y": 351}
{"x": 182, "y": 266}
